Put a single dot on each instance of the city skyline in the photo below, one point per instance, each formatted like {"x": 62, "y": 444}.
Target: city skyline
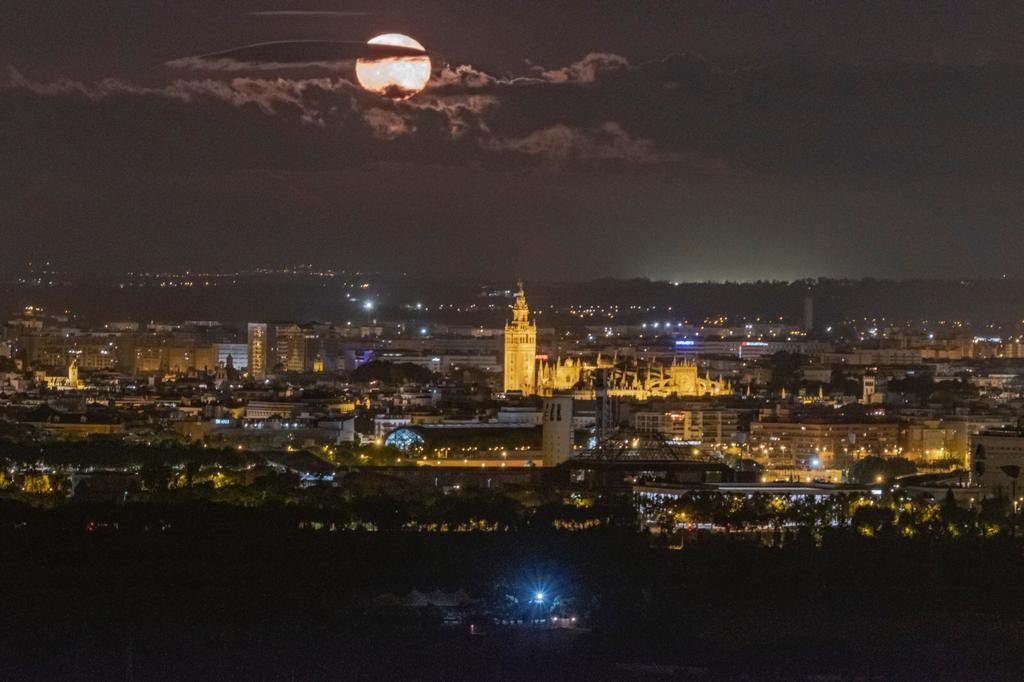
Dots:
{"x": 511, "y": 339}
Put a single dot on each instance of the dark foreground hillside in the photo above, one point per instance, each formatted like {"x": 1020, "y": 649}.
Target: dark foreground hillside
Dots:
{"x": 259, "y": 603}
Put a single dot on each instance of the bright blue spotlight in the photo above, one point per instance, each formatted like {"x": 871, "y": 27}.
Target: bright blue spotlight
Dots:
{"x": 539, "y": 597}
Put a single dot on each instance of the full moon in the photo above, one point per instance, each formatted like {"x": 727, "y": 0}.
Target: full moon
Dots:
{"x": 395, "y": 77}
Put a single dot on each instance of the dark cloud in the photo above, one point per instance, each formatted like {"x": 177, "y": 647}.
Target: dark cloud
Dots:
{"x": 792, "y": 167}
{"x": 348, "y": 117}
{"x": 790, "y": 118}
{"x": 585, "y": 70}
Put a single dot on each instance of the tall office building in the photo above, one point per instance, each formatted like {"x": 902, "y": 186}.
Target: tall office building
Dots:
{"x": 297, "y": 347}
{"x": 520, "y": 348}
{"x": 290, "y": 347}
{"x": 260, "y": 349}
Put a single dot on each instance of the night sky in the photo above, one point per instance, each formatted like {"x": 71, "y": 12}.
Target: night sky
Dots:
{"x": 557, "y": 140}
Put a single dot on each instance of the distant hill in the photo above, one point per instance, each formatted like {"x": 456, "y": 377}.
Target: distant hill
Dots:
{"x": 252, "y": 296}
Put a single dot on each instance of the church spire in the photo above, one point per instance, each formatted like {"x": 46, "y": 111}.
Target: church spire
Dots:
{"x": 520, "y": 311}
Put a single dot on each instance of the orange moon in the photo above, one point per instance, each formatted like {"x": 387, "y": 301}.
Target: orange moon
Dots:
{"x": 395, "y": 77}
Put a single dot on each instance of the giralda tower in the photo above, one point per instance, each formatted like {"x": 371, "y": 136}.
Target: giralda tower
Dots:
{"x": 520, "y": 348}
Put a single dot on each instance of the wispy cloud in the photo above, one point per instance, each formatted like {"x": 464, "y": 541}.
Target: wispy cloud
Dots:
{"x": 290, "y": 54}
{"x": 585, "y": 70}
{"x": 561, "y": 144}
{"x": 228, "y": 64}
{"x": 387, "y": 125}
{"x": 679, "y": 112}
{"x": 312, "y": 13}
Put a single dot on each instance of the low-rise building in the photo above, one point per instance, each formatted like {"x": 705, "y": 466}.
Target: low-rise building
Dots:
{"x": 997, "y": 460}
{"x": 711, "y": 425}
{"x": 73, "y": 425}
{"x": 822, "y": 442}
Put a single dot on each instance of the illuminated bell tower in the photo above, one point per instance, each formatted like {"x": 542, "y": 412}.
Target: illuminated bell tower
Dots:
{"x": 73, "y": 374}
{"x": 520, "y": 348}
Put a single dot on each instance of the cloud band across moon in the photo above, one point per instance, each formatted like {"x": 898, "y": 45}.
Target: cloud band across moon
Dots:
{"x": 334, "y": 14}
{"x": 291, "y": 53}
{"x": 680, "y": 113}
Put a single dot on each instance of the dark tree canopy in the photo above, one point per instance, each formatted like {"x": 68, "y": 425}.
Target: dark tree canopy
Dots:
{"x": 875, "y": 469}
{"x": 391, "y": 373}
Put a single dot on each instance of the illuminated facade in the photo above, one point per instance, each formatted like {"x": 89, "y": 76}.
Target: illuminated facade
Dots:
{"x": 822, "y": 443}
{"x": 64, "y": 383}
{"x": 709, "y": 425}
{"x": 626, "y": 380}
{"x": 259, "y": 350}
{"x": 520, "y": 348}
{"x": 290, "y": 348}
{"x": 576, "y": 376}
